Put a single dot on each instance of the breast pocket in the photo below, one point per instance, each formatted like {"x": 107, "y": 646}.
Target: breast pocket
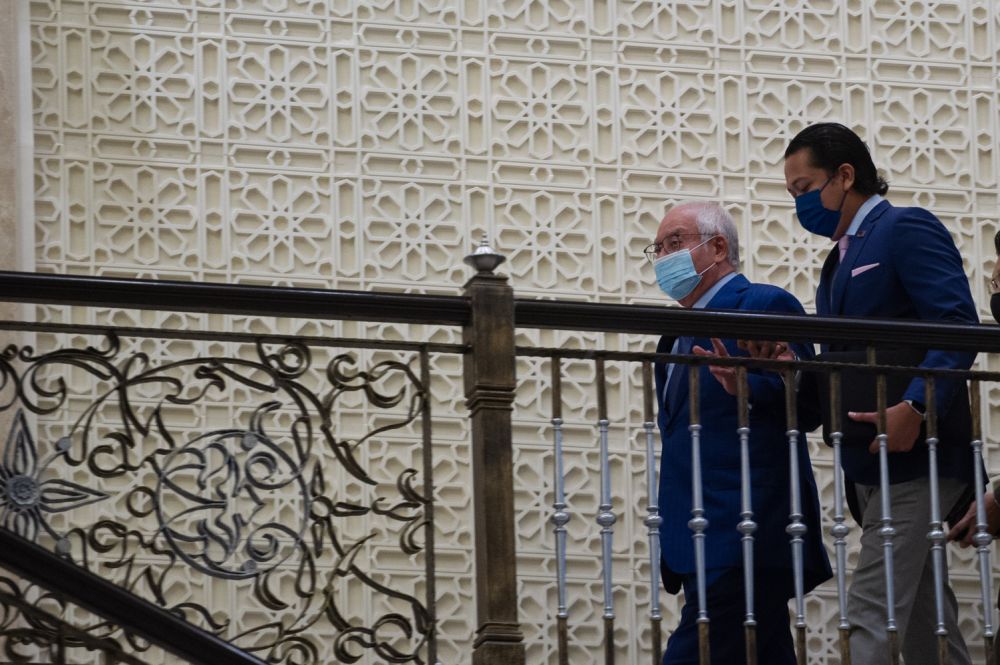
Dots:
{"x": 861, "y": 273}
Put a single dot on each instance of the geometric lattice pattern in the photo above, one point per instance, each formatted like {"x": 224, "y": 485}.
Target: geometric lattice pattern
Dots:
{"x": 366, "y": 144}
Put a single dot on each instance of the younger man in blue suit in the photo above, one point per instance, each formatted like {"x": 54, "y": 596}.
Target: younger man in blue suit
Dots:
{"x": 888, "y": 262}
{"x": 696, "y": 257}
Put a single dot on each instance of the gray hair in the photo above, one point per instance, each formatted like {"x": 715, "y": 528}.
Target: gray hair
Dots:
{"x": 713, "y": 220}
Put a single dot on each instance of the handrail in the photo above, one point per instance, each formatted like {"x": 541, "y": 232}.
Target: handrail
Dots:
{"x": 116, "y": 604}
{"x": 650, "y": 320}
{"x": 245, "y": 299}
{"x": 171, "y": 295}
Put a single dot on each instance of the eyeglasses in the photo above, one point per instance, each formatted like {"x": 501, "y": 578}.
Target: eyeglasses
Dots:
{"x": 669, "y": 245}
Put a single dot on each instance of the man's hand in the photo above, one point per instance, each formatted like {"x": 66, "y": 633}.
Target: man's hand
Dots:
{"x": 767, "y": 350}
{"x": 964, "y": 529}
{"x": 995, "y": 278}
{"x": 902, "y": 424}
{"x": 726, "y": 375}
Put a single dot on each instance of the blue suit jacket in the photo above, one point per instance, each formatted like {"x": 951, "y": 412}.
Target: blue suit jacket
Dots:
{"x": 906, "y": 267}
{"x": 720, "y": 454}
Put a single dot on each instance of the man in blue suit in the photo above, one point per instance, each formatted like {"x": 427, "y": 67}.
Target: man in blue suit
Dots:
{"x": 889, "y": 262}
{"x": 696, "y": 256}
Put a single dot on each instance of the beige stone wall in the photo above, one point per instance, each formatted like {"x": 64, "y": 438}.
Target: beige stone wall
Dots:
{"x": 12, "y": 166}
{"x": 365, "y": 144}
{"x": 9, "y": 101}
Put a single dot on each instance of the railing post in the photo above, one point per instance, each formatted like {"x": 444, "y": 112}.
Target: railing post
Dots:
{"x": 489, "y": 392}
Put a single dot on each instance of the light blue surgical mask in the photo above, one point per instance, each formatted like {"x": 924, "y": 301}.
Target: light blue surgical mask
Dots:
{"x": 676, "y": 274}
{"x": 814, "y": 216}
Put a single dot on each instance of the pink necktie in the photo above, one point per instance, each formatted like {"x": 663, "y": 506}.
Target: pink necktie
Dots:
{"x": 842, "y": 246}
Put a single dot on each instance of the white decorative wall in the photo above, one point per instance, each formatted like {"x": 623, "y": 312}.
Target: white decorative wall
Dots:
{"x": 367, "y": 145}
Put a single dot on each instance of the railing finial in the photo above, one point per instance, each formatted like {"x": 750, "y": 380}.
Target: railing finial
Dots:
{"x": 484, "y": 258}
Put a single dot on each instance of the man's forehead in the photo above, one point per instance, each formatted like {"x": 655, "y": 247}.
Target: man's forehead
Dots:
{"x": 677, "y": 221}
{"x": 798, "y": 164}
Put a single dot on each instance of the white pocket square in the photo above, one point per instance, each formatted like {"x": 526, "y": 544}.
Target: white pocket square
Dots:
{"x": 860, "y": 269}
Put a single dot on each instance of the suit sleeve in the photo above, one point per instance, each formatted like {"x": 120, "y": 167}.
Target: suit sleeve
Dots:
{"x": 931, "y": 272}
{"x": 767, "y": 389}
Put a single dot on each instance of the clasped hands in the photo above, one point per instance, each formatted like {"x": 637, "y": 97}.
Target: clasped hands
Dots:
{"x": 902, "y": 422}
{"x": 964, "y": 529}
{"x": 902, "y": 426}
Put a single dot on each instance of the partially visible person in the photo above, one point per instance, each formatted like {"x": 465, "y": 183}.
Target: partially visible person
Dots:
{"x": 995, "y": 281}
{"x": 964, "y": 530}
{"x": 898, "y": 263}
{"x": 695, "y": 255}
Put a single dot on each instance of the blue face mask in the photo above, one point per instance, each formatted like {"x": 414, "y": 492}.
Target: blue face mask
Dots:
{"x": 676, "y": 274}
{"x": 814, "y": 216}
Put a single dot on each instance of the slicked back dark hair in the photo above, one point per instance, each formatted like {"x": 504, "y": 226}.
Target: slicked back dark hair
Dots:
{"x": 831, "y": 144}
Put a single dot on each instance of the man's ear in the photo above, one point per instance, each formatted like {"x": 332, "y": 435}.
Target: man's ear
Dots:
{"x": 846, "y": 173}
{"x": 721, "y": 247}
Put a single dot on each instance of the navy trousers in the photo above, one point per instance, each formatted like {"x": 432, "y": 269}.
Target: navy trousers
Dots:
{"x": 726, "y": 612}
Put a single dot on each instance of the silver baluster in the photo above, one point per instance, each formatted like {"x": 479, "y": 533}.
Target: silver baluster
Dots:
{"x": 606, "y": 518}
{"x": 796, "y": 527}
{"x": 747, "y": 526}
{"x": 840, "y": 529}
{"x": 936, "y": 533}
{"x": 560, "y": 517}
{"x": 653, "y": 519}
{"x": 698, "y": 523}
{"x": 887, "y": 531}
{"x": 982, "y": 539}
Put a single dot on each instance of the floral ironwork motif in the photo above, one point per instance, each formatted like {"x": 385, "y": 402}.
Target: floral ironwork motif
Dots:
{"x": 268, "y": 507}
{"x": 27, "y": 495}
{"x": 207, "y": 479}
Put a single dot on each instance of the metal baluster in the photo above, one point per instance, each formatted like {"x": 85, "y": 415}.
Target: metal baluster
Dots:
{"x": 983, "y": 539}
{"x": 560, "y": 516}
{"x": 840, "y": 529}
{"x": 653, "y": 519}
{"x": 887, "y": 531}
{"x": 428, "y": 461}
{"x": 796, "y": 527}
{"x": 747, "y": 525}
{"x": 606, "y": 518}
{"x": 936, "y": 534}
{"x": 59, "y": 646}
{"x": 698, "y": 523}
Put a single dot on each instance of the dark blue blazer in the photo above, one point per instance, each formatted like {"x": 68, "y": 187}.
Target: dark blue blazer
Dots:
{"x": 905, "y": 266}
{"x": 720, "y": 455}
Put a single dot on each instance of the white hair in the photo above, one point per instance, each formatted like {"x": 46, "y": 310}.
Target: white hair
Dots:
{"x": 713, "y": 220}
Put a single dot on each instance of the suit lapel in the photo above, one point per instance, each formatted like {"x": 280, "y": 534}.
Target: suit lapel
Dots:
{"x": 660, "y": 372}
{"x": 729, "y": 297}
{"x": 843, "y": 275}
{"x": 677, "y": 390}
{"x": 824, "y": 294}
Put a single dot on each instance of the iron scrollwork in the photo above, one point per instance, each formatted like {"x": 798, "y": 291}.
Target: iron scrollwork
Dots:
{"x": 37, "y": 625}
{"x": 260, "y": 504}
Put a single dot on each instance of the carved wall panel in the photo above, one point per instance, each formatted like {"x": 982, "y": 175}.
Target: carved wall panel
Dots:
{"x": 366, "y": 144}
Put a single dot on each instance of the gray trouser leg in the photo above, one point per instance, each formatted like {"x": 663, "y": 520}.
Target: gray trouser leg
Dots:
{"x": 914, "y": 579}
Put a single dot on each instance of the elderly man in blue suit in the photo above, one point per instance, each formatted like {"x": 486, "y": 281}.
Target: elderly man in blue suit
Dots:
{"x": 696, "y": 259}
{"x": 890, "y": 262}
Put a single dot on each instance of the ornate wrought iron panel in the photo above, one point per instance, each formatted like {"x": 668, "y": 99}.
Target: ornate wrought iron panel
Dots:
{"x": 278, "y": 494}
